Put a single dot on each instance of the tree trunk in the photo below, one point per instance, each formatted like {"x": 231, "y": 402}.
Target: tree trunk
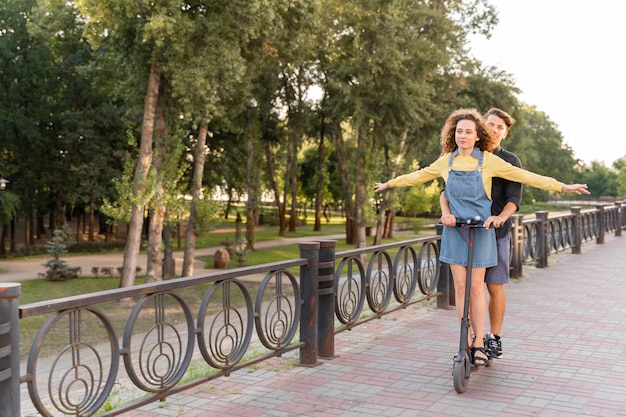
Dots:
{"x": 92, "y": 219}
{"x": 346, "y": 184}
{"x": 78, "y": 228}
{"x": 168, "y": 253}
{"x": 391, "y": 215}
{"x": 154, "y": 271}
{"x": 359, "y": 198}
{"x": 133, "y": 240}
{"x": 30, "y": 232}
{"x": 251, "y": 188}
{"x": 319, "y": 186}
{"x": 291, "y": 175}
{"x": 12, "y": 244}
{"x": 389, "y": 219}
{"x": 196, "y": 193}
{"x": 271, "y": 173}
{"x": 3, "y": 235}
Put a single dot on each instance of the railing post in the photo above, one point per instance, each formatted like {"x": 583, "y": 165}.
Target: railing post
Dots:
{"x": 618, "y": 219}
{"x": 445, "y": 285}
{"x": 326, "y": 297}
{"x": 578, "y": 230}
{"x": 517, "y": 245}
{"x": 9, "y": 350}
{"x": 601, "y": 223}
{"x": 308, "y": 313}
{"x": 542, "y": 256}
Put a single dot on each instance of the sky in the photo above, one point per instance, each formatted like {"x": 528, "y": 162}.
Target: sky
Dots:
{"x": 567, "y": 58}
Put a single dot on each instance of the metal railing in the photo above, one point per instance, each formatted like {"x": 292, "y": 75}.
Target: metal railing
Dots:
{"x": 167, "y": 343}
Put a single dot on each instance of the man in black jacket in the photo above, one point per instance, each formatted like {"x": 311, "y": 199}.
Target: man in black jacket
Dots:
{"x": 506, "y": 197}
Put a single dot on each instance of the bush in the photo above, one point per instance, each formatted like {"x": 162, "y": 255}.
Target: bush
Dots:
{"x": 95, "y": 247}
{"x": 27, "y": 251}
{"x": 417, "y": 225}
{"x": 269, "y": 218}
{"x": 56, "y": 269}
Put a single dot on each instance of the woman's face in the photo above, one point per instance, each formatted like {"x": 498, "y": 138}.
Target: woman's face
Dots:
{"x": 465, "y": 136}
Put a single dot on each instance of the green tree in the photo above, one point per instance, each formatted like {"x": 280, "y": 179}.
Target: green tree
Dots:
{"x": 88, "y": 125}
{"x": 9, "y": 205}
{"x": 421, "y": 200}
{"x": 170, "y": 38}
{"x": 25, "y": 103}
{"x": 57, "y": 269}
{"x": 603, "y": 181}
{"x": 539, "y": 145}
{"x": 621, "y": 179}
{"x": 228, "y": 31}
{"x": 134, "y": 35}
{"x": 381, "y": 62}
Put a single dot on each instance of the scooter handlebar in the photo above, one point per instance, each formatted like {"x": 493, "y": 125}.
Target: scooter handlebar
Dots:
{"x": 476, "y": 221}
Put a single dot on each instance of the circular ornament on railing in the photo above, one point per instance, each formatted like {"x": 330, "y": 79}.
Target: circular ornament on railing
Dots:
{"x": 534, "y": 241}
{"x": 428, "y": 268}
{"x": 595, "y": 226}
{"x": 560, "y": 235}
{"x": 379, "y": 279}
{"x": 277, "y": 318}
{"x": 80, "y": 378}
{"x": 164, "y": 350}
{"x": 405, "y": 276}
{"x": 569, "y": 231}
{"x": 552, "y": 243}
{"x": 527, "y": 244}
{"x": 349, "y": 290}
{"x": 224, "y": 335}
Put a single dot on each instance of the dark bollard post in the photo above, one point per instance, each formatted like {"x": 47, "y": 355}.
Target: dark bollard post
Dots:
{"x": 623, "y": 214}
{"x": 601, "y": 224}
{"x": 542, "y": 256}
{"x": 9, "y": 350}
{"x": 517, "y": 245}
{"x": 618, "y": 219}
{"x": 578, "y": 230}
{"x": 308, "y": 313}
{"x": 445, "y": 285}
{"x": 326, "y": 294}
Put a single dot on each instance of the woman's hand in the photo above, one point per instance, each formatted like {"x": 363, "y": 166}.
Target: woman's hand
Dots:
{"x": 575, "y": 188}
{"x": 381, "y": 186}
{"x": 448, "y": 220}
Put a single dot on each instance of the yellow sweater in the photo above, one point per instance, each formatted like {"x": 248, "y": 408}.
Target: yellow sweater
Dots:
{"x": 493, "y": 166}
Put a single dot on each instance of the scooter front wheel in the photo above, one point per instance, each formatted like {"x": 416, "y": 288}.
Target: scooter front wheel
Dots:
{"x": 460, "y": 375}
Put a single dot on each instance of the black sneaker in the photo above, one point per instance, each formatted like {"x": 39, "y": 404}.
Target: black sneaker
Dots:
{"x": 493, "y": 344}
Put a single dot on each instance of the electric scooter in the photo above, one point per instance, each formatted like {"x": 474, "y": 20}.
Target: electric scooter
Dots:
{"x": 462, "y": 365}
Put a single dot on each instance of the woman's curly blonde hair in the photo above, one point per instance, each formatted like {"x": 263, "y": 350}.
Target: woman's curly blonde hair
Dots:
{"x": 485, "y": 141}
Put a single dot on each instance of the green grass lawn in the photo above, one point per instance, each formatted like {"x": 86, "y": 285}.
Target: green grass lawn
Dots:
{"x": 226, "y": 231}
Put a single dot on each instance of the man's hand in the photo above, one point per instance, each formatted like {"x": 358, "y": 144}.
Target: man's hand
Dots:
{"x": 493, "y": 221}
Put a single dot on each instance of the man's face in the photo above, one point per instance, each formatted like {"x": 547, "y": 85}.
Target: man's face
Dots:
{"x": 498, "y": 127}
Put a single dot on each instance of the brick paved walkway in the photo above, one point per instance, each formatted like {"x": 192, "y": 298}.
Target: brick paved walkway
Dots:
{"x": 564, "y": 355}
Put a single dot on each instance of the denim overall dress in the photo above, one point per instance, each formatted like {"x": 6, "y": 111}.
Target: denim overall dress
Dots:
{"x": 467, "y": 198}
